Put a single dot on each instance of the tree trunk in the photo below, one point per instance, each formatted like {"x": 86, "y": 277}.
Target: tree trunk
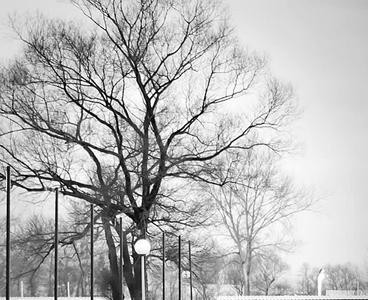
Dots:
{"x": 32, "y": 285}
{"x": 248, "y": 279}
{"x": 132, "y": 278}
{"x": 244, "y": 279}
{"x": 113, "y": 260}
{"x": 248, "y": 267}
{"x": 268, "y": 286}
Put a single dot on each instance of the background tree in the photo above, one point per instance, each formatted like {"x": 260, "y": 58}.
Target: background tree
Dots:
{"x": 117, "y": 112}
{"x": 33, "y": 245}
{"x": 255, "y": 207}
{"x": 282, "y": 288}
{"x": 343, "y": 277}
{"x": 233, "y": 274}
{"x": 269, "y": 267}
{"x": 307, "y": 284}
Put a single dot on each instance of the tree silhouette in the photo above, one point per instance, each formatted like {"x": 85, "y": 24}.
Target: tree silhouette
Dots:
{"x": 126, "y": 110}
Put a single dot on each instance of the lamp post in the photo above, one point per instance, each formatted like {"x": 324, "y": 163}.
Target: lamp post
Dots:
{"x": 190, "y": 270}
{"x": 56, "y": 244}
{"x": 8, "y": 188}
{"x": 142, "y": 247}
{"x": 163, "y": 266}
{"x": 92, "y": 253}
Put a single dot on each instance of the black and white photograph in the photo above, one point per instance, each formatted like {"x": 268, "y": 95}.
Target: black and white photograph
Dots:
{"x": 184, "y": 150}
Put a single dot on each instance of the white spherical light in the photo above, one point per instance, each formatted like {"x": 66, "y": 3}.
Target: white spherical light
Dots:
{"x": 142, "y": 247}
{"x": 186, "y": 274}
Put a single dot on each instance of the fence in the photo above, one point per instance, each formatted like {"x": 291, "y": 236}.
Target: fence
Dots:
{"x": 359, "y": 297}
{"x": 91, "y": 273}
{"x": 52, "y": 298}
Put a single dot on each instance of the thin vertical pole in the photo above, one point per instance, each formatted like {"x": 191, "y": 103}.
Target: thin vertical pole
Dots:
{"x": 143, "y": 279}
{"x": 163, "y": 265}
{"x": 21, "y": 289}
{"x": 8, "y": 187}
{"x": 68, "y": 289}
{"x": 190, "y": 271}
{"x": 357, "y": 287}
{"x": 121, "y": 257}
{"x": 92, "y": 250}
{"x": 179, "y": 267}
{"x": 56, "y": 244}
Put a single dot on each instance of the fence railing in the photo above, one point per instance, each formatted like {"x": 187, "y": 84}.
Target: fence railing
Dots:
{"x": 347, "y": 297}
{"x": 52, "y": 298}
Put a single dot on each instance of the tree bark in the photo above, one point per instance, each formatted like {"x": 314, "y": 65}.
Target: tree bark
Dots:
{"x": 113, "y": 260}
{"x": 248, "y": 266}
{"x": 32, "y": 285}
{"x": 132, "y": 279}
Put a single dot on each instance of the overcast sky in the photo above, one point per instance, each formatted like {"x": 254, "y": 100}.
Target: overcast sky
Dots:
{"x": 321, "y": 48}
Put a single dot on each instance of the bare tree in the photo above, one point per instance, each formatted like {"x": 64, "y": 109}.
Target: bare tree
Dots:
{"x": 269, "y": 267}
{"x": 346, "y": 277}
{"x": 33, "y": 243}
{"x": 118, "y": 112}
{"x": 307, "y": 284}
{"x": 343, "y": 277}
{"x": 255, "y": 207}
{"x": 233, "y": 273}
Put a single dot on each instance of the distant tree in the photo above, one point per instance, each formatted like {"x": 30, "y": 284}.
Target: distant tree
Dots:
{"x": 282, "y": 289}
{"x": 343, "y": 277}
{"x": 32, "y": 242}
{"x": 122, "y": 112}
{"x": 269, "y": 267}
{"x": 255, "y": 207}
{"x": 307, "y": 284}
{"x": 233, "y": 274}
{"x": 207, "y": 269}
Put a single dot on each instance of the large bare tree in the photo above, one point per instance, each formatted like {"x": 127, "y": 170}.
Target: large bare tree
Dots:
{"x": 120, "y": 110}
{"x": 255, "y": 206}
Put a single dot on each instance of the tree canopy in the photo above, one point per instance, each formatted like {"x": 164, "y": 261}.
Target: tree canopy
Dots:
{"x": 125, "y": 109}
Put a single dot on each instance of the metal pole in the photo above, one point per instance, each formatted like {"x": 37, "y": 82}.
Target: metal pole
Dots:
{"x": 143, "y": 280}
{"x": 179, "y": 267}
{"x": 190, "y": 271}
{"x": 92, "y": 252}
{"x": 121, "y": 257}
{"x": 21, "y": 289}
{"x": 8, "y": 187}
{"x": 56, "y": 244}
{"x": 163, "y": 265}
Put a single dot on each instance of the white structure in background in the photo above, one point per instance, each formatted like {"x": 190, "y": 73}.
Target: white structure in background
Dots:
{"x": 321, "y": 277}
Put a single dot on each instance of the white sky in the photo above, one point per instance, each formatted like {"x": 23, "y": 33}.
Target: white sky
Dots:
{"x": 321, "y": 48}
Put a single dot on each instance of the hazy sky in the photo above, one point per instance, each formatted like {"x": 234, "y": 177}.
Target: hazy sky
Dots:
{"x": 321, "y": 48}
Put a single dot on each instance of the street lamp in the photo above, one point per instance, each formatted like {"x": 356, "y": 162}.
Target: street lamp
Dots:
{"x": 142, "y": 247}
